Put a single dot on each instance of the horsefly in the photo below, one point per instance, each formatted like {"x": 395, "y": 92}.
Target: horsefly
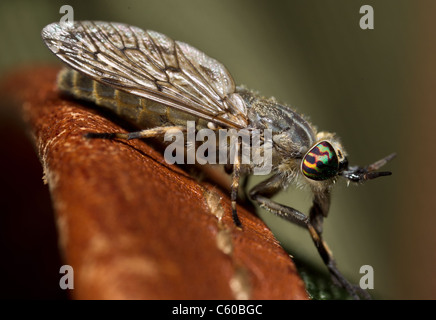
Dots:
{"x": 162, "y": 86}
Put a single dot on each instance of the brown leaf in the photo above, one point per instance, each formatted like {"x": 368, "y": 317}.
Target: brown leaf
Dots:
{"x": 134, "y": 227}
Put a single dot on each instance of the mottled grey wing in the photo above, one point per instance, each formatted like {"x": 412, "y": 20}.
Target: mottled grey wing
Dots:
{"x": 151, "y": 65}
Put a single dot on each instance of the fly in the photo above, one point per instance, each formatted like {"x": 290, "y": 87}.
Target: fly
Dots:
{"x": 159, "y": 84}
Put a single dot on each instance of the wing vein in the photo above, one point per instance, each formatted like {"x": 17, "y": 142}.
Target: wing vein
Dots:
{"x": 150, "y": 65}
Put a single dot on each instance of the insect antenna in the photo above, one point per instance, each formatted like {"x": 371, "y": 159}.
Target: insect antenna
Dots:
{"x": 380, "y": 163}
{"x": 360, "y": 174}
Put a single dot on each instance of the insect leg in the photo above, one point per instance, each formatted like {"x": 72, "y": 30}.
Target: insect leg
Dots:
{"x": 319, "y": 210}
{"x": 236, "y": 174}
{"x": 261, "y": 194}
{"x": 147, "y": 133}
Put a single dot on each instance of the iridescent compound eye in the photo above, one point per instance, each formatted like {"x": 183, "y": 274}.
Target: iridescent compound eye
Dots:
{"x": 320, "y": 162}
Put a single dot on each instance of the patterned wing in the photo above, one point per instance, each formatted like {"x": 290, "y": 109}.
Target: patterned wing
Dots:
{"x": 151, "y": 65}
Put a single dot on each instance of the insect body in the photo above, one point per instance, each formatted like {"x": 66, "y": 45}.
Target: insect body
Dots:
{"x": 159, "y": 84}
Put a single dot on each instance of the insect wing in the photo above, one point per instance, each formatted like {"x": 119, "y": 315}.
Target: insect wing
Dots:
{"x": 150, "y": 65}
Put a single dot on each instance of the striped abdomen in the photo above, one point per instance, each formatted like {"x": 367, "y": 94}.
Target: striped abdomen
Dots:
{"x": 142, "y": 112}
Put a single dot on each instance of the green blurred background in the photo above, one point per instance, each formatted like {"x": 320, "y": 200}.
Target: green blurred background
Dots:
{"x": 375, "y": 88}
